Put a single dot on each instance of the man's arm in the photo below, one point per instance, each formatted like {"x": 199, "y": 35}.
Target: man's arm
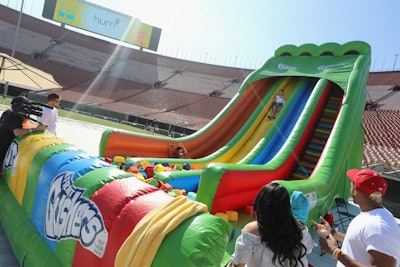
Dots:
{"x": 21, "y": 131}
{"x": 380, "y": 259}
{"x": 338, "y": 235}
{"x": 377, "y": 259}
{"x": 324, "y": 229}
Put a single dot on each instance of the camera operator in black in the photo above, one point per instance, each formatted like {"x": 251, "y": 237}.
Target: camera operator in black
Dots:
{"x": 11, "y": 125}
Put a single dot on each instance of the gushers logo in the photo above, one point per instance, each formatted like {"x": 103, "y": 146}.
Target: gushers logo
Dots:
{"x": 69, "y": 215}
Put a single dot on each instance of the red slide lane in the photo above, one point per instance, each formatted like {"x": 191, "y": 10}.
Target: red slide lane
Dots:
{"x": 201, "y": 145}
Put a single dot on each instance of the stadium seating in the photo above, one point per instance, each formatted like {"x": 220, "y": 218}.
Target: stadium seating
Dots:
{"x": 170, "y": 90}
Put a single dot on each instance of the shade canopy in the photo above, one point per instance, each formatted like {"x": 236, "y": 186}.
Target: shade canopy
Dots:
{"x": 18, "y": 74}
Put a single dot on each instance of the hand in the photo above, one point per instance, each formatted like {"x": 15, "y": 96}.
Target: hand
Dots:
{"x": 40, "y": 128}
{"x": 328, "y": 244}
{"x": 324, "y": 228}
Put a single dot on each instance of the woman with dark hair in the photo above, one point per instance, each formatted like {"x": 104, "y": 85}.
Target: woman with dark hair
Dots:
{"x": 275, "y": 238}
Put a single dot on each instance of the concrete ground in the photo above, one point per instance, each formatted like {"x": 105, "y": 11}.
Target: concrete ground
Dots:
{"x": 84, "y": 136}
{"x": 87, "y": 137}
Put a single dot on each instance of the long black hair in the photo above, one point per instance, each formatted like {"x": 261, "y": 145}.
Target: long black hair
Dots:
{"x": 279, "y": 230}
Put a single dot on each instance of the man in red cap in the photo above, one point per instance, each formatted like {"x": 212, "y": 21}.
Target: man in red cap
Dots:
{"x": 373, "y": 236}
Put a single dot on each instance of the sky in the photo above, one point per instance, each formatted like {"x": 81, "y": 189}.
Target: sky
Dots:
{"x": 245, "y": 33}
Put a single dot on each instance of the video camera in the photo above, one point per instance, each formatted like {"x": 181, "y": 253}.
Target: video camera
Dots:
{"x": 25, "y": 107}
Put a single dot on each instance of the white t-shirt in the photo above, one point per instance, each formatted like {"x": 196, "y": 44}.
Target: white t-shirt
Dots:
{"x": 372, "y": 230}
{"x": 250, "y": 250}
{"x": 279, "y": 99}
{"x": 49, "y": 117}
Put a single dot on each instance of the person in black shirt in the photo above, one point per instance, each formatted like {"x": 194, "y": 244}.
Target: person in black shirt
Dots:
{"x": 11, "y": 122}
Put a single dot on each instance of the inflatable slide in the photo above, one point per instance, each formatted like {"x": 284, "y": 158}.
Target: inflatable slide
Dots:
{"x": 60, "y": 206}
{"x": 316, "y": 137}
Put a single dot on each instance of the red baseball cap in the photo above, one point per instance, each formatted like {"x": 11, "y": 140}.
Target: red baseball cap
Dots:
{"x": 368, "y": 181}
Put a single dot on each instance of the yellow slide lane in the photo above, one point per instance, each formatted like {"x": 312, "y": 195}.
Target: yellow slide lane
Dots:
{"x": 140, "y": 248}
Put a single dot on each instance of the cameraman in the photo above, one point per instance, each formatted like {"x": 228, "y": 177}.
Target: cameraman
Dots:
{"x": 11, "y": 122}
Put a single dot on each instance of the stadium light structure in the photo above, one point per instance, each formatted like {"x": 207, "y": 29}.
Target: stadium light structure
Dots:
{"x": 16, "y": 32}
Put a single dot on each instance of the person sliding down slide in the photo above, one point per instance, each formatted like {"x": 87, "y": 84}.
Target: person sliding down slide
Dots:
{"x": 277, "y": 104}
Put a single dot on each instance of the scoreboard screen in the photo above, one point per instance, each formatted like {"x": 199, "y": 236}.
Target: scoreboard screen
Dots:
{"x": 103, "y": 21}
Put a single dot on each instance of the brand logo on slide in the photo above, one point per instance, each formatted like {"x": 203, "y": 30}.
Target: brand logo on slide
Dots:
{"x": 69, "y": 215}
{"x": 324, "y": 67}
{"x": 11, "y": 157}
{"x": 282, "y": 66}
